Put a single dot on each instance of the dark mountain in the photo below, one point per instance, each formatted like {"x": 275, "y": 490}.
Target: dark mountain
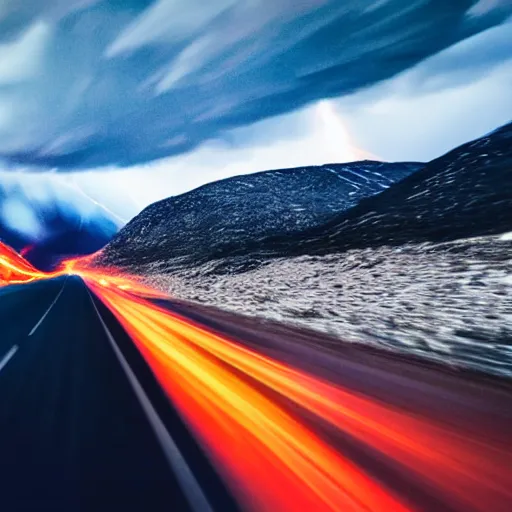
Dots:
{"x": 47, "y": 221}
{"x": 239, "y": 212}
{"x": 319, "y": 210}
{"x": 423, "y": 267}
{"x": 465, "y": 193}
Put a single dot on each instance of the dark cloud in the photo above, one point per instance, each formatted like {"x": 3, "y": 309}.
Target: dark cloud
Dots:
{"x": 113, "y": 82}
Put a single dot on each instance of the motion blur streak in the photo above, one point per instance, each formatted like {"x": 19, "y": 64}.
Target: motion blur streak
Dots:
{"x": 437, "y": 454}
{"x": 248, "y": 412}
{"x": 15, "y": 269}
{"x": 469, "y": 473}
{"x": 275, "y": 460}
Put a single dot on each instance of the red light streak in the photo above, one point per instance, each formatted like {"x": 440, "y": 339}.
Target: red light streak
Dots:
{"x": 468, "y": 473}
{"x": 272, "y": 461}
{"x": 14, "y": 269}
{"x": 270, "y": 458}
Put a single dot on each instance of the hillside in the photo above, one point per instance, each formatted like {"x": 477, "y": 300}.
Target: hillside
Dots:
{"x": 239, "y": 212}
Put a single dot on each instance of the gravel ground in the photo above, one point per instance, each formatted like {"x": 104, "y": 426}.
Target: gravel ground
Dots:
{"x": 449, "y": 301}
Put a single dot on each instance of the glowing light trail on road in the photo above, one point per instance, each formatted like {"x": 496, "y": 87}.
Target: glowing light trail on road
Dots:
{"x": 275, "y": 460}
{"x": 237, "y": 402}
{"x": 201, "y": 372}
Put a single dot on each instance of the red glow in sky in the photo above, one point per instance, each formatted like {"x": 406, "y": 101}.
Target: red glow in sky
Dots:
{"x": 15, "y": 269}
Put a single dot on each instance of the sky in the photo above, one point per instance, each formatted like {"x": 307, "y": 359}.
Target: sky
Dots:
{"x": 131, "y": 101}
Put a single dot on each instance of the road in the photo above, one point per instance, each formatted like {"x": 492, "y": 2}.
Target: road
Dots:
{"x": 74, "y": 435}
{"x": 86, "y": 426}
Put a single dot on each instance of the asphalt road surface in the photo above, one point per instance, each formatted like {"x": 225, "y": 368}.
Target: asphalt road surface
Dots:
{"x": 74, "y": 433}
{"x": 84, "y": 425}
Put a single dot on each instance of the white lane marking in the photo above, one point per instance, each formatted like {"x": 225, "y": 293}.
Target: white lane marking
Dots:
{"x": 8, "y": 356}
{"x": 193, "y": 492}
{"x": 41, "y": 320}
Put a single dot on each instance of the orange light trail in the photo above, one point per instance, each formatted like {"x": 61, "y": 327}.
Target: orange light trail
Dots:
{"x": 196, "y": 368}
{"x": 271, "y": 459}
{"x": 14, "y": 269}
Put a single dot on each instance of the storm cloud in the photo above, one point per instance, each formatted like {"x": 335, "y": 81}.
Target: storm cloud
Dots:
{"x": 88, "y": 83}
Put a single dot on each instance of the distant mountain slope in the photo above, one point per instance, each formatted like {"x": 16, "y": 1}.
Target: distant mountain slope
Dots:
{"x": 425, "y": 267}
{"x": 240, "y": 211}
{"x": 465, "y": 193}
{"x": 48, "y": 221}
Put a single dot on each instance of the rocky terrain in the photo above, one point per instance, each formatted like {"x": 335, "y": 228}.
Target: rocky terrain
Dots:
{"x": 465, "y": 193}
{"x": 232, "y": 214}
{"x": 425, "y": 266}
{"x": 449, "y": 301}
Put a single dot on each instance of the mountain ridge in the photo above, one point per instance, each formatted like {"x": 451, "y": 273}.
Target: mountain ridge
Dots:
{"x": 199, "y": 224}
{"x": 418, "y": 208}
{"x": 466, "y": 192}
